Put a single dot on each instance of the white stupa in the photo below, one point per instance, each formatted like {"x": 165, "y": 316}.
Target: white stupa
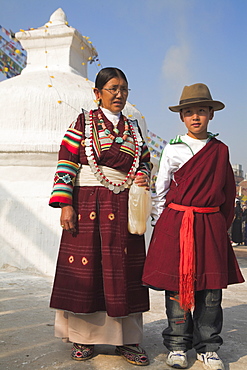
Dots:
{"x": 36, "y": 108}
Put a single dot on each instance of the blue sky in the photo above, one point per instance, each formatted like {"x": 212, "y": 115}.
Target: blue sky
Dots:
{"x": 162, "y": 45}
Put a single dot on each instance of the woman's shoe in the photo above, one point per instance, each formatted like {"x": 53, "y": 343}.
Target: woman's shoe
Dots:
{"x": 134, "y": 354}
{"x": 82, "y": 352}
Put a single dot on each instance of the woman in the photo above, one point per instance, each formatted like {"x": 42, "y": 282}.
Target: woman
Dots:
{"x": 97, "y": 287}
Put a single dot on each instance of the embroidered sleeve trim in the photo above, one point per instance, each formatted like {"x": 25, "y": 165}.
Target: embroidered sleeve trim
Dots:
{"x": 145, "y": 164}
{"x": 72, "y": 140}
{"x": 64, "y": 181}
{"x": 67, "y": 167}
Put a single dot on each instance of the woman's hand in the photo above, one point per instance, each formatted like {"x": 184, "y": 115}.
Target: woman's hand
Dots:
{"x": 142, "y": 180}
{"x": 68, "y": 218}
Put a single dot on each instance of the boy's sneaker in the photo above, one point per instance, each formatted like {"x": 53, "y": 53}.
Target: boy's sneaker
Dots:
{"x": 177, "y": 359}
{"x": 211, "y": 361}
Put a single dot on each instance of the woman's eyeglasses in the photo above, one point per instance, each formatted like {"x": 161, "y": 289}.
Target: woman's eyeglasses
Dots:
{"x": 116, "y": 90}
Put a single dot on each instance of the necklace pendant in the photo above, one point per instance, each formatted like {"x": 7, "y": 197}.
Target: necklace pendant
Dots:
{"x": 88, "y": 151}
{"x": 98, "y": 176}
{"x": 116, "y": 130}
{"x": 116, "y": 190}
{"x": 87, "y": 141}
{"x": 119, "y": 140}
{"x": 104, "y": 182}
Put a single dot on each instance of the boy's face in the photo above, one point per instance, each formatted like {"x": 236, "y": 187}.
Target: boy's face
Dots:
{"x": 196, "y": 120}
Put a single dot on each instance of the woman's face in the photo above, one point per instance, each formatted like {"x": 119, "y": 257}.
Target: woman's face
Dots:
{"x": 113, "y": 95}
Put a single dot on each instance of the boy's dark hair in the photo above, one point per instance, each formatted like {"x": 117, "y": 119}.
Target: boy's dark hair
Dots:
{"x": 210, "y": 108}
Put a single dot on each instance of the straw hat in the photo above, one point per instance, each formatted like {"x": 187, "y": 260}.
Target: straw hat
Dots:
{"x": 194, "y": 95}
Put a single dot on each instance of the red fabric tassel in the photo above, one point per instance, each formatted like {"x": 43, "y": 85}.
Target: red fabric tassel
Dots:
{"x": 187, "y": 268}
{"x": 187, "y": 261}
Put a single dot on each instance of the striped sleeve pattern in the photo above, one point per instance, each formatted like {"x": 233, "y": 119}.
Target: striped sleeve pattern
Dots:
{"x": 145, "y": 164}
{"x": 63, "y": 183}
{"x": 72, "y": 140}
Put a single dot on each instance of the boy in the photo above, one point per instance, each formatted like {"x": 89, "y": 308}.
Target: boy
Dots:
{"x": 190, "y": 255}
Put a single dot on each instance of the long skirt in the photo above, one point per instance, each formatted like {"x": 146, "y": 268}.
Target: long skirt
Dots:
{"x": 98, "y": 328}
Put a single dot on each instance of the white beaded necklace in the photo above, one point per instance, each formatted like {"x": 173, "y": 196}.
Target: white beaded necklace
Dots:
{"x": 115, "y": 187}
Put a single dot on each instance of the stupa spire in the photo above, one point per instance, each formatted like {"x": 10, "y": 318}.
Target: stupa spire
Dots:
{"x": 58, "y": 17}
{"x": 57, "y": 46}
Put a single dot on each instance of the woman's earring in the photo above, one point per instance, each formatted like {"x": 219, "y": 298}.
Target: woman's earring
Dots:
{"x": 99, "y": 102}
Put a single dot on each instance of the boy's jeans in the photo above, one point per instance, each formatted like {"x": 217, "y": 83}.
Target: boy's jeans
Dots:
{"x": 200, "y": 329}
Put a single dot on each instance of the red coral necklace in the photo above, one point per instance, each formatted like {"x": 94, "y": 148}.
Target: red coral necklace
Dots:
{"x": 108, "y": 133}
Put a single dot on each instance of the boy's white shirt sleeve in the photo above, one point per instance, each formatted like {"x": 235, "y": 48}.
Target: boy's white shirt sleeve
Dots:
{"x": 173, "y": 158}
{"x": 167, "y": 167}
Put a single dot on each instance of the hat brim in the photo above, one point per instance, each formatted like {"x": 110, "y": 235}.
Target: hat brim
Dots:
{"x": 216, "y": 105}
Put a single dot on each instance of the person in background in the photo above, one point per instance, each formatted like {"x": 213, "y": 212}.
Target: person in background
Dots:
{"x": 97, "y": 289}
{"x": 236, "y": 231}
{"x": 244, "y": 219}
{"x": 190, "y": 255}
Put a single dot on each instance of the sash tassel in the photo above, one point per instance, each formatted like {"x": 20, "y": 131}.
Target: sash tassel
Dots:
{"x": 187, "y": 267}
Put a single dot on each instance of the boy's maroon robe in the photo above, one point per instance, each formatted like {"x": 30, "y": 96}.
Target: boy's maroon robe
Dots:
{"x": 206, "y": 180}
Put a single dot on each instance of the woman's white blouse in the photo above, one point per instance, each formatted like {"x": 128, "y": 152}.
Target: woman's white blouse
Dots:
{"x": 112, "y": 117}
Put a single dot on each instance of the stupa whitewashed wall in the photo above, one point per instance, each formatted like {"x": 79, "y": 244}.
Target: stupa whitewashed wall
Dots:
{"x": 36, "y": 108}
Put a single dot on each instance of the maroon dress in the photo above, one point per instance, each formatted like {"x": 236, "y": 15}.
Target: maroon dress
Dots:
{"x": 99, "y": 268}
{"x": 206, "y": 180}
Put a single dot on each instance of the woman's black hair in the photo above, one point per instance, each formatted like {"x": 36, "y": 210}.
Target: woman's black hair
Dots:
{"x": 106, "y": 74}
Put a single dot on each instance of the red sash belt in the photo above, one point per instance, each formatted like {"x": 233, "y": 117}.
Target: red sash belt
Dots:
{"x": 187, "y": 268}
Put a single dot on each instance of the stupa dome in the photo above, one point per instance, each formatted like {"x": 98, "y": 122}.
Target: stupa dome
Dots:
{"x": 38, "y": 105}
